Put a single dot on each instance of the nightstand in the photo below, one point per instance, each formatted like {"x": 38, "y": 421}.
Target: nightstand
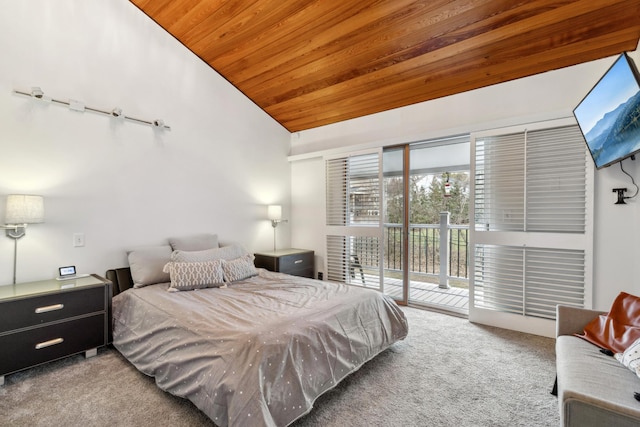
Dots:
{"x": 297, "y": 262}
{"x": 51, "y": 319}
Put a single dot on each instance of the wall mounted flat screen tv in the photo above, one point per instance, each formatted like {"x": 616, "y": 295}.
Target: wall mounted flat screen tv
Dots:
{"x": 609, "y": 116}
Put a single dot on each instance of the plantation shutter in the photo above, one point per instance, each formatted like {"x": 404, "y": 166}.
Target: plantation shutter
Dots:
{"x": 354, "y": 217}
{"x": 532, "y": 235}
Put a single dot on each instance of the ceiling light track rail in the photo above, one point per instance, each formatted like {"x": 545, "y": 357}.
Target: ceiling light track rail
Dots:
{"x": 38, "y": 94}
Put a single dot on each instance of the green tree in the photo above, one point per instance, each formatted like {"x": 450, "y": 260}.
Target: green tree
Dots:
{"x": 393, "y": 190}
{"x": 427, "y": 196}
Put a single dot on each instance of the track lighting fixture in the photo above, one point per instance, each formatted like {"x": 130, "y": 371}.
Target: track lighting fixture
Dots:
{"x": 37, "y": 93}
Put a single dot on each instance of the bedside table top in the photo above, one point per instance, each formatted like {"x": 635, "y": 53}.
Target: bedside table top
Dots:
{"x": 283, "y": 252}
{"x": 46, "y": 286}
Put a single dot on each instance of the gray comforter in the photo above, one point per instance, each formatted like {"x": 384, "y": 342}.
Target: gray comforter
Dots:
{"x": 259, "y": 352}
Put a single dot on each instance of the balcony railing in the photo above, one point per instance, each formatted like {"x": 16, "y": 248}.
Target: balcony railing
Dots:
{"x": 425, "y": 247}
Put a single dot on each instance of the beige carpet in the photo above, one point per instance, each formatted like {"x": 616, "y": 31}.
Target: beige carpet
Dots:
{"x": 448, "y": 372}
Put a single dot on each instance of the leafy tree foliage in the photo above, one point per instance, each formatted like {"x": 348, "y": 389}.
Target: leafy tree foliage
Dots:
{"x": 427, "y": 195}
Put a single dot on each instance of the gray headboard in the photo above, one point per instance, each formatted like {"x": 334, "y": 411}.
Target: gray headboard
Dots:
{"x": 121, "y": 279}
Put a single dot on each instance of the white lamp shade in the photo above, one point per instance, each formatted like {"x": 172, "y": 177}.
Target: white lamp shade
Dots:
{"x": 24, "y": 209}
{"x": 274, "y": 212}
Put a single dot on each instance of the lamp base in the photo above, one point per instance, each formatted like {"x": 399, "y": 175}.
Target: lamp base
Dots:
{"x": 16, "y": 232}
{"x": 274, "y": 224}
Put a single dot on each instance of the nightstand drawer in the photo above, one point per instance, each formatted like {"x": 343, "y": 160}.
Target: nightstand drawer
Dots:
{"x": 296, "y": 262}
{"x": 27, "y": 312}
{"x": 20, "y": 350}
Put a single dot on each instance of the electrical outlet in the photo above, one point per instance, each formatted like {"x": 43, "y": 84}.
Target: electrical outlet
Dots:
{"x": 78, "y": 239}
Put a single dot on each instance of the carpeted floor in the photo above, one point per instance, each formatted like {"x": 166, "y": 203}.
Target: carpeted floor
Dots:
{"x": 447, "y": 372}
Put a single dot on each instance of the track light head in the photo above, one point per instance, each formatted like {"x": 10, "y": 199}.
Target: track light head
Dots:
{"x": 36, "y": 92}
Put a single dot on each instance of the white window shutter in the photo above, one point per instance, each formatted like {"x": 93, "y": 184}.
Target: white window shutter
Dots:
{"x": 354, "y": 217}
{"x": 555, "y": 181}
{"x": 528, "y": 281}
{"x": 499, "y": 183}
{"x": 337, "y": 171}
{"x": 533, "y": 208}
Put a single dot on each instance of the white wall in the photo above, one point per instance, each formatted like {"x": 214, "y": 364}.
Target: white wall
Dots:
{"x": 123, "y": 184}
{"x": 542, "y": 97}
{"x": 308, "y": 210}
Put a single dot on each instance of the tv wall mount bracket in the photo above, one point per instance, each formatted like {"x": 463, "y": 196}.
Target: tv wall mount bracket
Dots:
{"x": 621, "y": 197}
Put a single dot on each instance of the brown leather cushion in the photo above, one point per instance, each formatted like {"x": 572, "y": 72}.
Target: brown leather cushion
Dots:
{"x": 617, "y": 329}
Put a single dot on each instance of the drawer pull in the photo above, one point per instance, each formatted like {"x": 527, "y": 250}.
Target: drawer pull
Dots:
{"x": 49, "y": 343}
{"x": 49, "y": 308}
{"x": 298, "y": 261}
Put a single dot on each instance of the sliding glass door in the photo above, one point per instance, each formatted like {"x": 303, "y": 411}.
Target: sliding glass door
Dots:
{"x": 395, "y": 217}
{"x": 426, "y": 192}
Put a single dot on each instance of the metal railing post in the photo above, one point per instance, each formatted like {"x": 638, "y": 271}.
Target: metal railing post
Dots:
{"x": 444, "y": 250}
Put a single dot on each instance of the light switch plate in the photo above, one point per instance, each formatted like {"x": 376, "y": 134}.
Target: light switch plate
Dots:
{"x": 78, "y": 239}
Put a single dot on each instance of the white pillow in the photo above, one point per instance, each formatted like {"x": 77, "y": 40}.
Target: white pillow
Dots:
{"x": 631, "y": 357}
{"x": 196, "y": 242}
{"x": 239, "y": 268}
{"x": 225, "y": 252}
{"x": 146, "y": 265}
{"x": 187, "y": 276}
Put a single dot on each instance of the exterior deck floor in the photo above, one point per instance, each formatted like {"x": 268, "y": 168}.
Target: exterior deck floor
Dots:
{"x": 428, "y": 294}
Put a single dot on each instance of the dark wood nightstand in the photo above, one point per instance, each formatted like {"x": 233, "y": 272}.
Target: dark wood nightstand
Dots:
{"x": 298, "y": 262}
{"x": 51, "y": 319}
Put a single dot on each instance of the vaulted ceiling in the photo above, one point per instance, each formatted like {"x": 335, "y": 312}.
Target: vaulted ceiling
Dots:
{"x": 309, "y": 63}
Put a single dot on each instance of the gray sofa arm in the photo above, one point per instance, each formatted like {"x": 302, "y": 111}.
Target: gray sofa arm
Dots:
{"x": 572, "y": 320}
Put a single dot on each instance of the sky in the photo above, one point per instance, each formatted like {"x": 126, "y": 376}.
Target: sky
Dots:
{"x": 614, "y": 88}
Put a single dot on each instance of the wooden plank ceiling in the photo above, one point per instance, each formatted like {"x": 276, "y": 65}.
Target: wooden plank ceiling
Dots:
{"x": 309, "y": 63}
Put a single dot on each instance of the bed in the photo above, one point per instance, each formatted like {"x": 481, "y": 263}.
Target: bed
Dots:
{"x": 251, "y": 352}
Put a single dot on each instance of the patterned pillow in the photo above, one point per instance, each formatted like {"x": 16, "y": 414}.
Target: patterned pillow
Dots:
{"x": 631, "y": 357}
{"x": 225, "y": 252}
{"x": 239, "y": 268}
{"x": 186, "y": 276}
